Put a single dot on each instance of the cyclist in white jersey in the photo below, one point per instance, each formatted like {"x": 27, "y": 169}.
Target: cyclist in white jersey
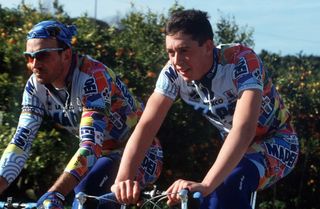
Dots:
{"x": 85, "y": 97}
{"x": 230, "y": 86}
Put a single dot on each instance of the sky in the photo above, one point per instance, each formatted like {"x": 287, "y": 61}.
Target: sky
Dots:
{"x": 286, "y": 27}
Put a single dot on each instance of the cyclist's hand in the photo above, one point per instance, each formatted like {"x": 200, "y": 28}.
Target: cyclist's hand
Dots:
{"x": 51, "y": 200}
{"x": 126, "y": 191}
{"x": 177, "y": 186}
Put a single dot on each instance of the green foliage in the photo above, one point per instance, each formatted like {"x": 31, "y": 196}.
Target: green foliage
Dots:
{"x": 135, "y": 50}
{"x": 10, "y": 91}
{"x": 228, "y": 31}
{"x": 138, "y": 58}
{"x": 93, "y": 39}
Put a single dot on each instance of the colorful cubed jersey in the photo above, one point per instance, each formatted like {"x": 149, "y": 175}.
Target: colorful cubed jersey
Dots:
{"x": 236, "y": 68}
{"x": 96, "y": 106}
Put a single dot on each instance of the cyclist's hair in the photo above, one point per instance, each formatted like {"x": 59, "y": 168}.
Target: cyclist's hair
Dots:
{"x": 190, "y": 22}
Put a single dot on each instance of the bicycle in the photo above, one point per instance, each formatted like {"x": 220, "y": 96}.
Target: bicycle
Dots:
{"x": 9, "y": 204}
{"x": 153, "y": 197}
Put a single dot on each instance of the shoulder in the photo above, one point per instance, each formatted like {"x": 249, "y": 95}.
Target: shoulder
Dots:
{"x": 169, "y": 72}
{"x": 33, "y": 87}
{"x": 233, "y": 53}
{"x": 244, "y": 65}
{"x": 90, "y": 66}
{"x": 242, "y": 58}
{"x": 91, "y": 72}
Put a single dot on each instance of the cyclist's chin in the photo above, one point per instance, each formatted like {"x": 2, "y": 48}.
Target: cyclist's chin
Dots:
{"x": 42, "y": 80}
{"x": 186, "y": 77}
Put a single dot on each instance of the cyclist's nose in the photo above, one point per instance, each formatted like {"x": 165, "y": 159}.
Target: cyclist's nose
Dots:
{"x": 177, "y": 59}
{"x": 35, "y": 63}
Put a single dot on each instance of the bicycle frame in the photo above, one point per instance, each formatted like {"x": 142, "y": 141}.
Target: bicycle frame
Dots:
{"x": 253, "y": 199}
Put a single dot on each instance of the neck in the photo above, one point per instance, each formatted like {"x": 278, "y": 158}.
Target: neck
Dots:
{"x": 209, "y": 65}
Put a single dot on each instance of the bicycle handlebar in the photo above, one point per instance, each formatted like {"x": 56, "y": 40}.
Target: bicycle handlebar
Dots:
{"x": 148, "y": 196}
{"x": 15, "y": 205}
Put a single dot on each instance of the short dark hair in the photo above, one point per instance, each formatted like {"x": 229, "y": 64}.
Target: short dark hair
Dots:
{"x": 191, "y": 22}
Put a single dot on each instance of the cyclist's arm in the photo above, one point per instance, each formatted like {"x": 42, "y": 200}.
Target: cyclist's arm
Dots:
{"x": 237, "y": 142}
{"x": 65, "y": 183}
{"x": 146, "y": 129}
{"x": 92, "y": 123}
{"x": 17, "y": 151}
{"x": 92, "y": 127}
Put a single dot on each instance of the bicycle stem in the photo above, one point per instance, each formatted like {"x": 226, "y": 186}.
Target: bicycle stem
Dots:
{"x": 183, "y": 194}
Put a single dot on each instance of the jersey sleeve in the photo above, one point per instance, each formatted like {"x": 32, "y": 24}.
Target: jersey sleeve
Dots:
{"x": 17, "y": 152}
{"x": 96, "y": 103}
{"x": 109, "y": 113}
{"x": 167, "y": 82}
{"x": 248, "y": 72}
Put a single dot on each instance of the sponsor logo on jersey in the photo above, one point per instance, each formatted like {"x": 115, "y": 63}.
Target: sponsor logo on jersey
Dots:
{"x": 30, "y": 88}
{"x": 292, "y": 139}
{"x": 21, "y": 137}
{"x": 216, "y": 101}
{"x": 149, "y": 165}
{"x": 125, "y": 93}
{"x": 116, "y": 120}
{"x": 225, "y": 111}
{"x": 87, "y": 133}
{"x": 171, "y": 74}
{"x": 106, "y": 95}
{"x": 230, "y": 95}
{"x": 283, "y": 154}
{"x": 241, "y": 68}
{"x": 266, "y": 104}
{"x": 257, "y": 74}
{"x": 90, "y": 86}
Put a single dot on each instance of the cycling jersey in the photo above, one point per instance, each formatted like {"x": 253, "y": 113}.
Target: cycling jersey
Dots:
{"x": 275, "y": 147}
{"x": 95, "y": 105}
{"x": 236, "y": 68}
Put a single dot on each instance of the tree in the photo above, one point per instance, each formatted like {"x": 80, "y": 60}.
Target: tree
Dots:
{"x": 228, "y": 31}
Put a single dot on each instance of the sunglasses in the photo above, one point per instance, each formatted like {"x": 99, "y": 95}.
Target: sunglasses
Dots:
{"x": 41, "y": 54}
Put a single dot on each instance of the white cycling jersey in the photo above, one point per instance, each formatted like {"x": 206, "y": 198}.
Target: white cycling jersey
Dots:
{"x": 236, "y": 68}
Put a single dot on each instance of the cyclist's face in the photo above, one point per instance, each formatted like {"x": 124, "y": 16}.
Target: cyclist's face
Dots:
{"x": 191, "y": 60}
{"x": 47, "y": 61}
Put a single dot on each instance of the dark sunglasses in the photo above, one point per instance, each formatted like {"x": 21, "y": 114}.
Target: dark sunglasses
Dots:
{"x": 40, "y": 54}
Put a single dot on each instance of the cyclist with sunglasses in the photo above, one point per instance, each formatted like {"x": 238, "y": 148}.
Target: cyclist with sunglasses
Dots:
{"x": 85, "y": 97}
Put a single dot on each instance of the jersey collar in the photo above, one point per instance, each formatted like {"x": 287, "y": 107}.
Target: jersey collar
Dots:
{"x": 206, "y": 80}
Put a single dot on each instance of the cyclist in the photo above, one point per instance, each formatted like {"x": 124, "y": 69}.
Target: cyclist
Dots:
{"x": 230, "y": 86}
{"x": 83, "y": 96}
